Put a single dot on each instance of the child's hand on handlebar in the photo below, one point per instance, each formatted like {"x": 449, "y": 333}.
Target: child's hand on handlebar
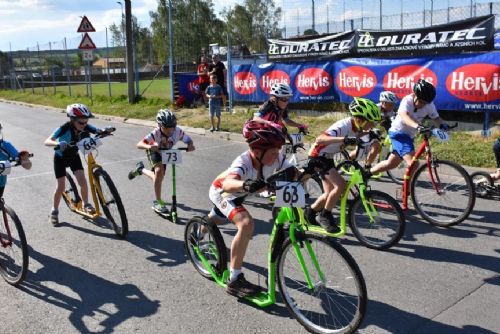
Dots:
{"x": 154, "y": 148}
{"x": 190, "y": 147}
{"x": 253, "y": 185}
{"x": 303, "y": 128}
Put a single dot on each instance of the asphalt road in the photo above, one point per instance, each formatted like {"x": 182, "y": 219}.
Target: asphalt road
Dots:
{"x": 83, "y": 279}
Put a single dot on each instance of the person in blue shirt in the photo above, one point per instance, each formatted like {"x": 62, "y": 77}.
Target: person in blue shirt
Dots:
{"x": 496, "y": 150}
{"x": 7, "y": 150}
{"x": 214, "y": 94}
{"x": 65, "y": 156}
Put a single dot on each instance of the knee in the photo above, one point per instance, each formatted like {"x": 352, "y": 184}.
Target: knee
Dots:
{"x": 246, "y": 226}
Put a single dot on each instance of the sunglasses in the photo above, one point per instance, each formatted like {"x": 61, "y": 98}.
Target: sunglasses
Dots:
{"x": 82, "y": 123}
{"x": 283, "y": 99}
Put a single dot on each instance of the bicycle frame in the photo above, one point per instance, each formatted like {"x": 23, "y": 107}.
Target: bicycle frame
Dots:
{"x": 95, "y": 190}
{"x": 425, "y": 146}
{"x": 285, "y": 215}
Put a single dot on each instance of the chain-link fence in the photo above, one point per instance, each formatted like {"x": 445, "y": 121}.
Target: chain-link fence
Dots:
{"x": 59, "y": 66}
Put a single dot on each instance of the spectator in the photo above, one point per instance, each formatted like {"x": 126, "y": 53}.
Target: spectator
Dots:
{"x": 214, "y": 94}
{"x": 218, "y": 68}
{"x": 203, "y": 78}
{"x": 496, "y": 150}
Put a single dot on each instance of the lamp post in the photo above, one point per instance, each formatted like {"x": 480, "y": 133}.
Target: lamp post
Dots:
{"x": 380, "y": 11}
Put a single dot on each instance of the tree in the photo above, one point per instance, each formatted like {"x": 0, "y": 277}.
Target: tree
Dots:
{"x": 310, "y": 32}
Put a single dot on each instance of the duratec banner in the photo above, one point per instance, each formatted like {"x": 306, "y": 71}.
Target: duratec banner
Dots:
{"x": 464, "y": 82}
{"x": 471, "y": 35}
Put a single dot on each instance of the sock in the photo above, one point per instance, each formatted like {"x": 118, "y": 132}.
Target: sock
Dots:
{"x": 56, "y": 211}
{"x": 234, "y": 274}
{"x": 325, "y": 213}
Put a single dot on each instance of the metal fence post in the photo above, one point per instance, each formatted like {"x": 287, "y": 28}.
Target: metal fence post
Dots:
{"x": 107, "y": 63}
{"x": 66, "y": 64}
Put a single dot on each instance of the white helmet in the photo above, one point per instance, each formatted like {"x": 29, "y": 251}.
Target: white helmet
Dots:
{"x": 387, "y": 96}
{"x": 281, "y": 90}
{"x": 78, "y": 110}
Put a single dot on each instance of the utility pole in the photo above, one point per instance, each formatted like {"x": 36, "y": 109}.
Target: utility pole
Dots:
{"x": 171, "y": 52}
{"x": 313, "y": 18}
{"x": 130, "y": 63}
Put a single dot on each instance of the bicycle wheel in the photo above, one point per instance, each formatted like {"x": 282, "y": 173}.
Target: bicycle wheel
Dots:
{"x": 387, "y": 225}
{"x": 481, "y": 181}
{"x": 397, "y": 174}
{"x": 211, "y": 245}
{"x": 313, "y": 188}
{"x": 337, "y": 302}
{"x": 70, "y": 192}
{"x": 13, "y": 248}
{"x": 454, "y": 198}
{"x": 111, "y": 203}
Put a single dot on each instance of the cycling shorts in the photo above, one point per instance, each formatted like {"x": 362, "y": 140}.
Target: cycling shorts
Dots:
{"x": 402, "y": 143}
{"x": 62, "y": 162}
{"x": 226, "y": 205}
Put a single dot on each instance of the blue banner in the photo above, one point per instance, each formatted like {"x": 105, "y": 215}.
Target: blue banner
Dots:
{"x": 464, "y": 82}
{"x": 188, "y": 85}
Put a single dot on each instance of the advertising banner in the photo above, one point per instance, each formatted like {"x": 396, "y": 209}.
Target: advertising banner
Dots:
{"x": 471, "y": 35}
{"x": 463, "y": 82}
{"x": 188, "y": 85}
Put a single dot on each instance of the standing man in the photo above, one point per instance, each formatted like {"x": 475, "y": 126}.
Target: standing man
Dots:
{"x": 218, "y": 68}
{"x": 203, "y": 78}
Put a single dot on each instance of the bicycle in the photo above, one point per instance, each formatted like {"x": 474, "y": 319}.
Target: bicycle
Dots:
{"x": 319, "y": 281}
{"x": 102, "y": 188}
{"x": 14, "y": 257}
{"x": 172, "y": 157}
{"x": 447, "y": 187}
{"x": 484, "y": 185}
{"x": 375, "y": 218}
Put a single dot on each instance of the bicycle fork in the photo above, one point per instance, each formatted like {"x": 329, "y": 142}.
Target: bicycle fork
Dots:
{"x": 8, "y": 242}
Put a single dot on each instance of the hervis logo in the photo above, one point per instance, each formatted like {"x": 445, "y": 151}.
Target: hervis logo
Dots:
{"x": 313, "y": 81}
{"x": 245, "y": 83}
{"x": 475, "y": 82}
{"x": 356, "y": 81}
{"x": 272, "y": 77}
{"x": 400, "y": 80}
{"x": 194, "y": 86}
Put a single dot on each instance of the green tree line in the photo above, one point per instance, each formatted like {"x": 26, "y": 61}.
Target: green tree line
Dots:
{"x": 195, "y": 25}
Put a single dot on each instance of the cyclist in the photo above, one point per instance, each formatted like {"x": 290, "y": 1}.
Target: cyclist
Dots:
{"x": 412, "y": 110}
{"x": 496, "y": 150}
{"x": 275, "y": 110}
{"x": 163, "y": 136}
{"x": 228, "y": 191}
{"x": 364, "y": 114}
{"x": 387, "y": 106}
{"x": 67, "y": 156}
{"x": 7, "y": 150}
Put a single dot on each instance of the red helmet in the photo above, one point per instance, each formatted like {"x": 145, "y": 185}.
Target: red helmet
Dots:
{"x": 264, "y": 136}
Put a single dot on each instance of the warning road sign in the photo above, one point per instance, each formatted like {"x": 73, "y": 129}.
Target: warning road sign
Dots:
{"x": 86, "y": 43}
{"x": 85, "y": 25}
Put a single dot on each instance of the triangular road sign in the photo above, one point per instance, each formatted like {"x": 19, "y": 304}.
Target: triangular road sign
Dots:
{"x": 85, "y": 25}
{"x": 86, "y": 43}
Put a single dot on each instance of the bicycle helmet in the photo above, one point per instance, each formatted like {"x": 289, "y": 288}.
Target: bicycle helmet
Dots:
{"x": 424, "y": 90}
{"x": 78, "y": 110}
{"x": 387, "y": 96}
{"x": 365, "y": 108}
{"x": 166, "y": 118}
{"x": 261, "y": 135}
{"x": 281, "y": 90}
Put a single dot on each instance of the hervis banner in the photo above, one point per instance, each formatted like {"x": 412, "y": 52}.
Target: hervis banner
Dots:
{"x": 464, "y": 82}
{"x": 471, "y": 35}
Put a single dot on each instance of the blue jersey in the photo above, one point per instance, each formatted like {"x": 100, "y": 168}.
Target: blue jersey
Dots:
{"x": 68, "y": 134}
{"x": 214, "y": 91}
{"x": 6, "y": 151}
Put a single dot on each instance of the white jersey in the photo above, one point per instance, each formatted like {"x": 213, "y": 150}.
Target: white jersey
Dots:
{"x": 342, "y": 128}
{"x": 408, "y": 107}
{"x": 242, "y": 169}
{"x": 157, "y": 137}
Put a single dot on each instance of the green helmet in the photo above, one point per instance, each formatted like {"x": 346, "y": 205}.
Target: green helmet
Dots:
{"x": 365, "y": 108}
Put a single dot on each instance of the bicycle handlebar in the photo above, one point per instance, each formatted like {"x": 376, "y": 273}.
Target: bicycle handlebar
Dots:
{"x": 106, "y": 132}
{"x": 17, "y": 161}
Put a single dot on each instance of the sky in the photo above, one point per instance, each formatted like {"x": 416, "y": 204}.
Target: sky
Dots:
{"x": 24, "y": 24}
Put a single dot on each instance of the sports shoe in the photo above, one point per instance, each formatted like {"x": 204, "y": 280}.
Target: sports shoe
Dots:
{"x": 240, "y": 287}
{"x": 160, "y": 207}
{"x": 217, "y": 129}
{"x": 54, "y": 217}
{"x": 137, "y": 171}
{"x": 196, "y": 234}
{"x": 326, "y": 220}
{"x": 310, "y": 215}
{"x": 89, "y": 208}
{"x": 212, "y": 129}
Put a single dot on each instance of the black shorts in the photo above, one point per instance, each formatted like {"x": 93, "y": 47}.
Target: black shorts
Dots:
{"x": 154, "y": 159}
{"x": 61, "y": 163}
{"x": 321, "y": 164}
{"x": 203, "y": 87}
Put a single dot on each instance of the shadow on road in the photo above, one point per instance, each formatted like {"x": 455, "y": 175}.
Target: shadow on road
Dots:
{"x": 96, "y": 305}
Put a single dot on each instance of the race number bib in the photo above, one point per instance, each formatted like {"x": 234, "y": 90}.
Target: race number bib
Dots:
{"x": 171, "y": 157}
{"x": 297, "y": 138}
{"x": 5, "y": 167}
{"x": 441, "y": 135}
{"x": 89, "y": 144}
{"x": 290, "y": 194}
